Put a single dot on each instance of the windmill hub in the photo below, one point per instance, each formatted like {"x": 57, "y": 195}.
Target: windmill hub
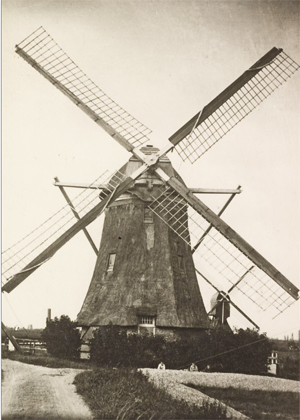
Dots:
{"x": 151, "y": 154}
{"x": 148, "y": 185}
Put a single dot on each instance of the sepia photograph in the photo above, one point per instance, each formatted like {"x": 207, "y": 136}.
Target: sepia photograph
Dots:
{"x": 150, "y": 209}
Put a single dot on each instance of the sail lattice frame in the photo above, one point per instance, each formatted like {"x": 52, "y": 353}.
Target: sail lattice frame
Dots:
{"x": 209, "y": 127}
{"x": 17, "y": 256}
{"x": 43, "y": 53}
{"x": 225, "y": 263}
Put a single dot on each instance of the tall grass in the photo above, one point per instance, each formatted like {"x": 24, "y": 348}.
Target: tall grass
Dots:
{"x": 127, "y": 394}
{"x": 257, "y": 404}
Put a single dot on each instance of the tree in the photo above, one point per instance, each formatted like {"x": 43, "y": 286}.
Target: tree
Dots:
{"x": 112, "y": 346}
{"x": 62, "y": 338}
{"x": 241, "y": 351}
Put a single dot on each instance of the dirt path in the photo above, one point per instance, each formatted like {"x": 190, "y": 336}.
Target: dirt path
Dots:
{"x": 37, "y": 392}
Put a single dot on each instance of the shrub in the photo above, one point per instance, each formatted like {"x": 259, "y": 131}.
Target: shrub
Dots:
{"x": 111, "y": 346}
{"x": 242, "y": 351}
{"x": 290, "y": 368}
{"x": 62, "y": 338}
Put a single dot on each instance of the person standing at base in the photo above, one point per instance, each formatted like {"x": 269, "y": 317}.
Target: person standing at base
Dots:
{"x": 161, "y": 366}
{"x": 193, "y": 368}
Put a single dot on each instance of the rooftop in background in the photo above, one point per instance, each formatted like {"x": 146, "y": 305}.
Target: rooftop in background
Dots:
{"x": 24, "y": 333}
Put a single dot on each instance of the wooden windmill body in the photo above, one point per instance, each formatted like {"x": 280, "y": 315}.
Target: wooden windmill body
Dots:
{"x": 157, "y": 235}
{"x": 144, "y": 278}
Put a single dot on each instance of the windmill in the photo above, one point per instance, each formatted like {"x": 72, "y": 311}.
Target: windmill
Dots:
{"x": 157, "y": 235}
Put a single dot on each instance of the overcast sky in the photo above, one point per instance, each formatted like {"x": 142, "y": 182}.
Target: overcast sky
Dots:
{"x": 162, "y": 61}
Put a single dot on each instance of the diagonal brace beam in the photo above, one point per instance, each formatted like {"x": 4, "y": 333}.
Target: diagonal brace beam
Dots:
{"x": 219, "y": 214}
{"x": 67, "y": 198}
{"x": 11, "y": 338}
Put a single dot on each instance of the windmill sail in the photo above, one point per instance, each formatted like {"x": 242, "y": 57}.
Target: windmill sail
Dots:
{"x": 43, "y": 53}
{"x": 217, "y": 118}
{"x": 222, "y": 251}
{"x": 21, "y": 259}
{"x": 225, "y": 254}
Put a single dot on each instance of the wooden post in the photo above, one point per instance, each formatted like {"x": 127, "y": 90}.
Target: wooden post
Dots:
{"x": 11, "y": 338}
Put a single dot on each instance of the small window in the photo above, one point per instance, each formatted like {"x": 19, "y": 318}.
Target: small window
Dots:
{"x": 111, "y": 262}
{"x": 148, "y": 215}
{"x": 146, "y": 325}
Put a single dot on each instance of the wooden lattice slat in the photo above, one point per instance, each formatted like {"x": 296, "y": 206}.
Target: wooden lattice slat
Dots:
{"x": 217, "y": 118}
{"x": 16, "y": 257}
{"x": 217, "y": 255}
{"x": 43, "y": 53}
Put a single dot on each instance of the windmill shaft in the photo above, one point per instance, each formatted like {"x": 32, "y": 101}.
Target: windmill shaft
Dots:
{"x": 113, "y": 133}
{"x": 233, "y": 237}
{"x": 67, "y": 198}
{"x": 223, "y": 97}
{"x": 223, "y": 312}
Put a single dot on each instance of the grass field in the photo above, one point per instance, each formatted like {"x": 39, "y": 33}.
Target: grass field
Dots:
{"x": 127, "y": 394}
{"x": 257, "y": 404}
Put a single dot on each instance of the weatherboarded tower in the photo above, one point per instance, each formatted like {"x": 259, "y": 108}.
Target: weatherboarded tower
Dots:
{"x": 144, "y": 278}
